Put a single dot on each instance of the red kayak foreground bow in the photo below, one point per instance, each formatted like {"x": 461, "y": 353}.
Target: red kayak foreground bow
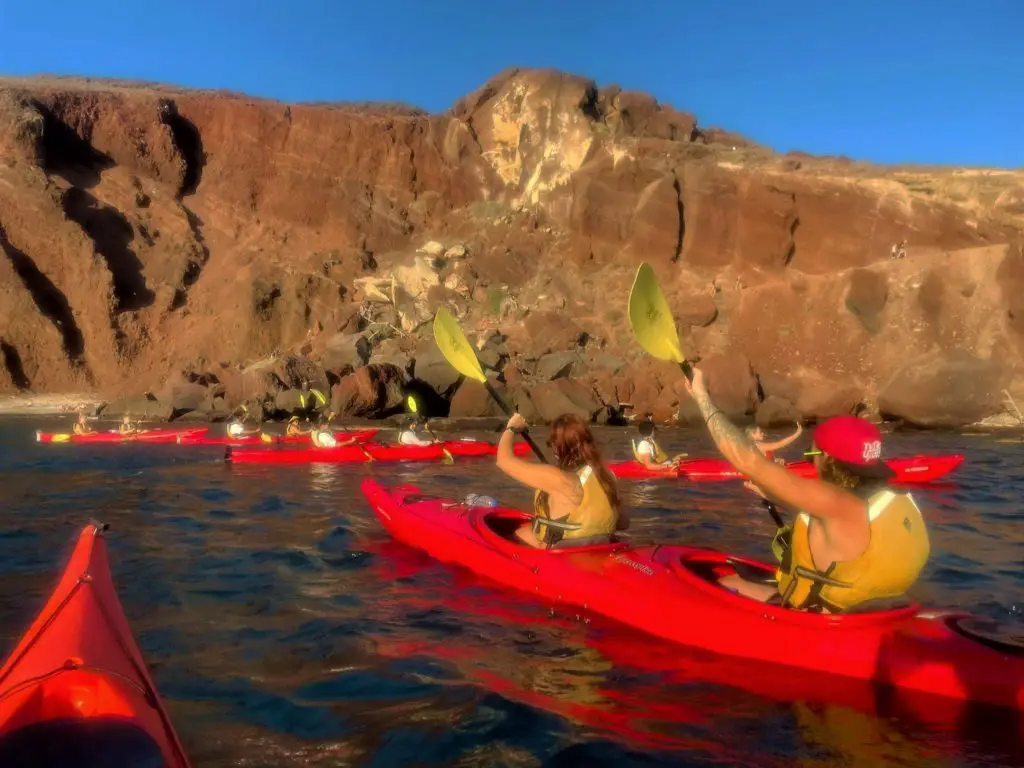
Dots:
{"x": 672, "y": 592}
{"x": 76, "y": 691}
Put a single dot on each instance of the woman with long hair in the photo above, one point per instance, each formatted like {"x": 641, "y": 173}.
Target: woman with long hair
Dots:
{"x": 577, "y": 493}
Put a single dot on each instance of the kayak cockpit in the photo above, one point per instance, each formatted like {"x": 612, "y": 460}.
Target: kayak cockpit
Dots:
{"x": 707, "y": 568}
{"x": 503, "y": 523}
{"x": 712, "y": 566}
{"x": 110, "y": 742}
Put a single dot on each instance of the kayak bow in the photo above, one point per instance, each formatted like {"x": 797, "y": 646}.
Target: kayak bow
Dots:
{"x": 76, "y": 690}
{"x": 672, "y": 592}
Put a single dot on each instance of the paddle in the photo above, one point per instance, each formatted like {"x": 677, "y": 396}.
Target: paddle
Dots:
{"x": 448, "y": 458}
{"x": 460, "y": 355}
{"x": 651, "y": 320}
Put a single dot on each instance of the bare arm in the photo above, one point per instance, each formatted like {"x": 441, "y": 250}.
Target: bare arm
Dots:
{"x": 541, "y": 477}
{"x": 818, "y": 499}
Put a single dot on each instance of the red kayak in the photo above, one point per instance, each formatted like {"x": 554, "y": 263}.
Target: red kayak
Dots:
{"x": 672, "y": 592}
{"x": 909, "y": 469}
{"x": 371, "y": 452}
{"x": 76, "y": 691}
{"x": 146, "y": 436}
{"x": 359, "y": 435}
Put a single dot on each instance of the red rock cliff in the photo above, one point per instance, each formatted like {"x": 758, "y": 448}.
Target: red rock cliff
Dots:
{"x": 209, "y": 247}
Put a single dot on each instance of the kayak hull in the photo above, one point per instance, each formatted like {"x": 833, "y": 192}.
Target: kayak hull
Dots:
{"x": 148, "y": 436}
{"x": 671, "y": 592}
{"x": 359, "y": 435}
{"x": 370, "y": 452}
{"x": 77, "y": 683}
{"x": 908, "y": 469}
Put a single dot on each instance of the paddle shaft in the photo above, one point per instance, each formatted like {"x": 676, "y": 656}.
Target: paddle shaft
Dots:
{"x": 508, "y": 412}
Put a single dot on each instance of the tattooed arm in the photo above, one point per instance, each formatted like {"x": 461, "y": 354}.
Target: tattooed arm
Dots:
{"x": 819, "y": 499}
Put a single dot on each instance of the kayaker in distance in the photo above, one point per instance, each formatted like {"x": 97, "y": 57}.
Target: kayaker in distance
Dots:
{"x": 295, "y": 428}
{"x": 323, "y": 435}
{"x": 756, "y": 434}
{"x": 647, "y": 451}
{"x": 81, "y": 427}
{"x": 127, "y": 428}
{"x": 237, "y": 428}
{"x": 310, "y": 399}
{"x": 415, "y": 432}
{"x": 578, "y": 489}
{"x": 853, "y": 540}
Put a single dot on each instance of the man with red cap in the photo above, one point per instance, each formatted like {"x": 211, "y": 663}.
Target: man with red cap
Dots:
{"x": 853, "y": 540}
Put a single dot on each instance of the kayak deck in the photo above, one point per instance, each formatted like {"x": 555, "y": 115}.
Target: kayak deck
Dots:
{"x": 672, "y": 592}
{"x": 75, "y": 690}
{"x": 370, "y": 452}
{"x": 908, "y": 469}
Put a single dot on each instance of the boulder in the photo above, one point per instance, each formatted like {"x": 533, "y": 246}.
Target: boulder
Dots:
{"x": 183, "y": 396}
{"x": 814, "y": 397}
{"x": 731, "y": 384}
{"x": 138, "y": 407}
{"x": 430, "y": 367}
{"x": 345, "y": 352}
{"x": 545, "y": 332}
{"x": 776, "y": 411}
{"x": 554, "y": 398}
{"x": 472, "y": 401}
{"x": 559, "y": 365}
{"x": 373, "y": 391}
{"x": 944, "y": 390}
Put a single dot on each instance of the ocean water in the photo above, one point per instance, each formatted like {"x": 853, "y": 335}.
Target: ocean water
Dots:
{"x": 284, "y": 628}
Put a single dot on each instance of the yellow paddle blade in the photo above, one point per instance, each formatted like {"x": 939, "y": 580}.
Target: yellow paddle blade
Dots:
{"x": 448, "y": 458}
{"x": 61, "y": 437}
{"x": 651, "y": 319}
{"x": 266, "y": 438}
{"x": 456, "y": 347}
{"x": 411, "y": 402}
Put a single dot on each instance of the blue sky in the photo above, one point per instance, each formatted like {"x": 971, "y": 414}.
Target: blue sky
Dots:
{"x": 930, "y": 81}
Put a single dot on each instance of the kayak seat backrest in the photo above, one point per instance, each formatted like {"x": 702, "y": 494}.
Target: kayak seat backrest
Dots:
{"x": 103, "y": 742}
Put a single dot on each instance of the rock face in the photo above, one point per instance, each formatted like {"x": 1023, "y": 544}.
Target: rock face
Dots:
{"x": 149, "y": 245}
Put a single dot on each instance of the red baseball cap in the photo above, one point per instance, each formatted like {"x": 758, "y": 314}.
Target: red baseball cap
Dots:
{"x": 855, "y": 443}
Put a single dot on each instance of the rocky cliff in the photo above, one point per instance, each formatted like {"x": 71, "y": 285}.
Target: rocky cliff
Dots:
{"x": 205, "y": 248}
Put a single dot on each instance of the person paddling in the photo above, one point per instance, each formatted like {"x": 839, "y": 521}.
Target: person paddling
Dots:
{"x": 295, "y": 428}
{"x": 415, "y": 432}
{"x": 647, "y": 451}
{"x": 577, "y": 491}
{"x": 81, "y": 427}
{"x": 127, "y": 428}
{"x": 237, "y": 428}
{"x": 757, "y": 436}
{"x": 853, "y": 539}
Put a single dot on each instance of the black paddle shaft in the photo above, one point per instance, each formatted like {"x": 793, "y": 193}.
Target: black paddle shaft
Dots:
{"x": 508, "y": 412}
{"x": 687, "y": 370}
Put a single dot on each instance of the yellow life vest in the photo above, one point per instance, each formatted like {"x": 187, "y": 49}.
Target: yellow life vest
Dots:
{"x": 895, "y": 556}
{"x": 595, "y": 514}
{"x": 660, "y": 457}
